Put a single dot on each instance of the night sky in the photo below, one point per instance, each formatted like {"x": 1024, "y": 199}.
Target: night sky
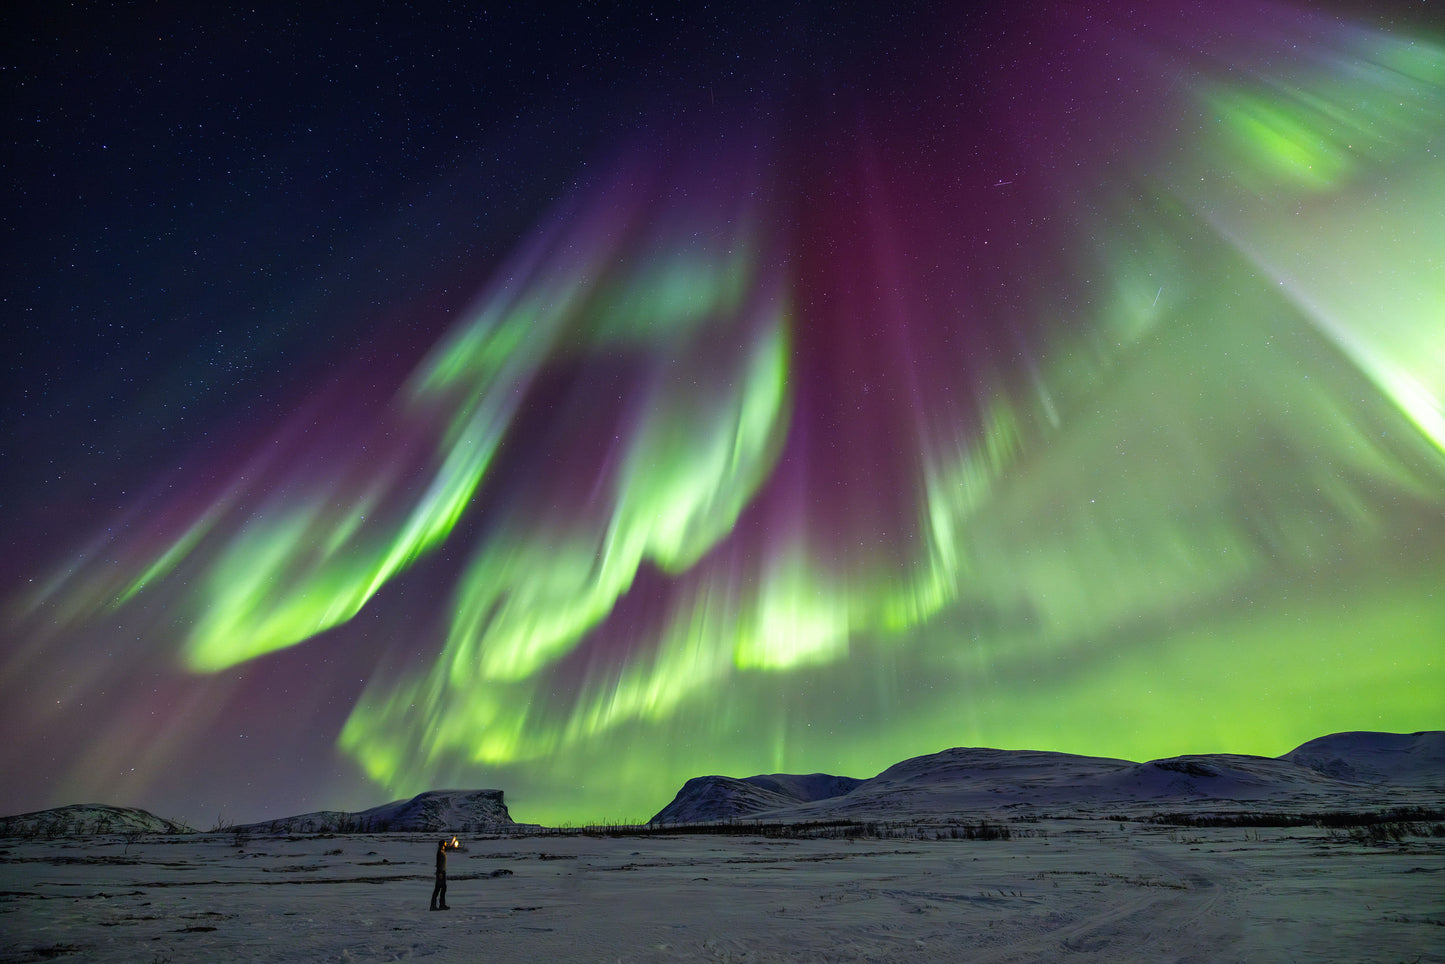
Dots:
{"x": 575, "y": 402}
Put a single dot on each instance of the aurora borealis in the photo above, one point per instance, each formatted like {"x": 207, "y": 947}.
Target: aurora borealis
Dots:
{"x": 1054, "y": 379}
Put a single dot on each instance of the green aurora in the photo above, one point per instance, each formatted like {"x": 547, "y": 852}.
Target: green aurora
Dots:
{"x": 1202, "y": 511}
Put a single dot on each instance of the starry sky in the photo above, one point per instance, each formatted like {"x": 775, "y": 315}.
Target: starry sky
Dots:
{"x": 579, "y": 400}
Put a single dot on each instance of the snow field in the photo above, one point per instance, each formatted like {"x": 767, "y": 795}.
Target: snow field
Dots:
{"x": 1077, "y": 889}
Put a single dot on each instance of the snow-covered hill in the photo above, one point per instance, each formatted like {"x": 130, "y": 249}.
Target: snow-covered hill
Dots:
{"x": 87, "y": 818}
{"x": 449, "y": 811}
{"x": 1343, "y": 771}
{"x": 1349, "y": 770}
{"x": 1408, "y": 759}
{"x": 723, "y": 798}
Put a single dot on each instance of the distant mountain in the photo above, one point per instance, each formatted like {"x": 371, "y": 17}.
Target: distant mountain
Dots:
{"x": 445, "y": 811}
{"x": 87, "y": 818}
{"x": 1341, "y": 771}
{"x": 723, "y": 798}
{"x": 1413, "y": 759}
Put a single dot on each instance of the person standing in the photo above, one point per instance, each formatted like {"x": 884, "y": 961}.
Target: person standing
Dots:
{"x": 439, "y": 892}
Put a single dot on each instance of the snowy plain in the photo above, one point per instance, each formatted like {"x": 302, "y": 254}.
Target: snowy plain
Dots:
{"x": 1333, "y": 852}
{"x": 1057, "y": 889}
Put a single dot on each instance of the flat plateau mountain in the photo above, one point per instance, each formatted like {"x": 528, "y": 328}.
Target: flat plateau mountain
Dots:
{"x": 436, "y": 811}
{"x": 1339, "y": 772}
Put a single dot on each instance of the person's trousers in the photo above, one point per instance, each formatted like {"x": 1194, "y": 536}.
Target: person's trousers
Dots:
{"x": 439, "y": 892}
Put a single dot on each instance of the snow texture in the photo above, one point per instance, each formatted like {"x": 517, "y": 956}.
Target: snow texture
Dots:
{"x": 1058, "y": 889}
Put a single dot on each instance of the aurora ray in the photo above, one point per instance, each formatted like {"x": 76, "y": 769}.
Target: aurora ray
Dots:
{"x": 773, "y": 456}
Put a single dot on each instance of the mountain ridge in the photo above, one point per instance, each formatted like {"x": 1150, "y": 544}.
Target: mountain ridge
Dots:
{"x": 1350, "y": 769}
{"x": 87, "y": 818}
{"x": 444, "y": 811}
{"x": 1353, "y": 769}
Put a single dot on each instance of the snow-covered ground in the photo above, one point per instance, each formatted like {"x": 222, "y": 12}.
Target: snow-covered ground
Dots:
{"x": 1077, "y": 889}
